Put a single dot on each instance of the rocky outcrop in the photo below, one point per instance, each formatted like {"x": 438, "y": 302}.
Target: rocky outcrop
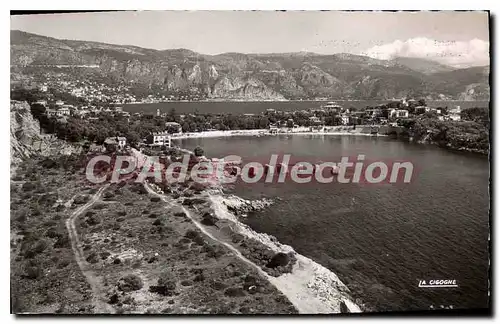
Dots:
{"x": 243, "y": 88}
{"x": 24, "y": 131}
{"x": 241, "y": 207}
{"x": 26, "y": 138}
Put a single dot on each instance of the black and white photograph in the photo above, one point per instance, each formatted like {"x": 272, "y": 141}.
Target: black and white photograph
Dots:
{"x": 250, "y": 162}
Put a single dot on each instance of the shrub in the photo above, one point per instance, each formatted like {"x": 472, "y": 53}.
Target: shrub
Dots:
{"x": 198, "y": 151}
{"x": 35, "y": 248}
{"x": 280, "y": 259}
{"x": 192, "y": 234}
{"x": 92, "y": 258}
{"x": 166, "y": 284}
{"x": 62, "y": 242}
{"x": 63, "y": 264}
{"x": 130, "y": 283}
{"x": 234, "y": 292}
{"x": 33, "y": 272}
{"x": 81, "y": 199}
{"x": 28, "y": 186}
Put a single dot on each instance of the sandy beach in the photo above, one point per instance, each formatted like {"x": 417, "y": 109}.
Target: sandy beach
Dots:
{"x": 334, "y": 131}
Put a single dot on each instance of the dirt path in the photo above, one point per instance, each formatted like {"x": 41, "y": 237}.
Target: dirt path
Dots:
{"x": 100, "y": 305}
{"x": 238, "y": 254}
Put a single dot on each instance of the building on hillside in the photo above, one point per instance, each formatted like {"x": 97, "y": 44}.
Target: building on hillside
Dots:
{"x": 332, "y": 107}
{"x": 159, "y": 139}
{"x": 51, "y": 112}
{"x": 455, "y": 114}
{"x": 422, "y": 109}
{"x": 122, "y": 141}
{"x": 438, "y": 111}
{"x": 63, "y": 111}
{"x": 59, "y": 103}
{"x": 398, "y": 113}
{"x": 315, "y": 120}
{"x": 115, "y": 142}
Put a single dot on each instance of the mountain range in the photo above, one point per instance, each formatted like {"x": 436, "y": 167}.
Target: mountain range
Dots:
{"x": 276, "y": 76}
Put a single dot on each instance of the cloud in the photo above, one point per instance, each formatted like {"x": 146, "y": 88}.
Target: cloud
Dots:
{"x": 455, "y": 53}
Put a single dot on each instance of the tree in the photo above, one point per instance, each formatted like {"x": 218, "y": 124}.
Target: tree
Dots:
{"x": 198, "y": 151}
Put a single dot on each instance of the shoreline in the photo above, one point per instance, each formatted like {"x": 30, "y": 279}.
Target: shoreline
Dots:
{"x": 289, "y": 100}
{"x": 310, "y": 287}
{"x": 265, "y": 132}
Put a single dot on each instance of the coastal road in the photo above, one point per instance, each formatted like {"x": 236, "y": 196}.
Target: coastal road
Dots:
{"x": 100, "y": 305}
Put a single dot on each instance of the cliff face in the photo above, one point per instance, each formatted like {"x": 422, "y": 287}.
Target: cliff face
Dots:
{"x": 26, "y": 139}
{"x": 24, "y": 131}
{"x": 254, "y": 76}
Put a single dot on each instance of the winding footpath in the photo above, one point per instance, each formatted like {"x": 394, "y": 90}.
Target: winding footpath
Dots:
{"x": 308, "y": 288}
{"x": 100, "y": 305}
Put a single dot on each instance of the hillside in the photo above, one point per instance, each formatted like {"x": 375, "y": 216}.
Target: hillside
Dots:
{"x": 253, "y": 76}
{"x": 422, "y": 65}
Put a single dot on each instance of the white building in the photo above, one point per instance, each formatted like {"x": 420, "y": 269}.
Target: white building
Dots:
{"x": 63, "y": 111}
{"x": 398, "y": 113}
{"x": 160, "y": 139}
{"x": 345, "y": 119}
{"x": 122, "y": 141}
{"x": 455, "y": 113}
{"x": 422, "y": 109}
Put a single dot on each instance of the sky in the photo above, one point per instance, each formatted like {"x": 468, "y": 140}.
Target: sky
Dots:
{"x": 456, "y": 38}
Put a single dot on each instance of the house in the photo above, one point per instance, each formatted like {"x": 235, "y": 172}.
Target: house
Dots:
{"x": 455, "y": 113}
{"x": 438, "y": 111}
{"x": 422, "y": 109}
{"x": 273, "y": 128}
{"x": 110, "y": 144}
{"x": 159, "y": 139}
{"x": 63, "y": 111}
{"x": 345, "y": 119}
{"x": 122, "y": 141}
{"x": 398, "y": 113}
{"x": 173, "y": 127}
{"x": 41, "y": 102}
{"x": 51, "y": 112}
{"x": 373, "y": 112}
{"x": 115, "y": 142}
{"x": 331, "y": 106}
{"x": 59, "y": 103}
{"x": 315, "y": 120}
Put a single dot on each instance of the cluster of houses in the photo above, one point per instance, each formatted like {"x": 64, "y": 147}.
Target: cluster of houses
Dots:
{"x": 60, "y": 109}
{"x": 153, "y": 140}
{"x": 381, "y": 115}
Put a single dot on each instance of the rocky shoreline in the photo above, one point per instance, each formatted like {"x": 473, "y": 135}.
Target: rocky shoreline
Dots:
{"x": 310, "y": 287}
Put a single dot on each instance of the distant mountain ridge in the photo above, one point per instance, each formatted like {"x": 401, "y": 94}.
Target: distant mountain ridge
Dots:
{"x": 273, "y": 76}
